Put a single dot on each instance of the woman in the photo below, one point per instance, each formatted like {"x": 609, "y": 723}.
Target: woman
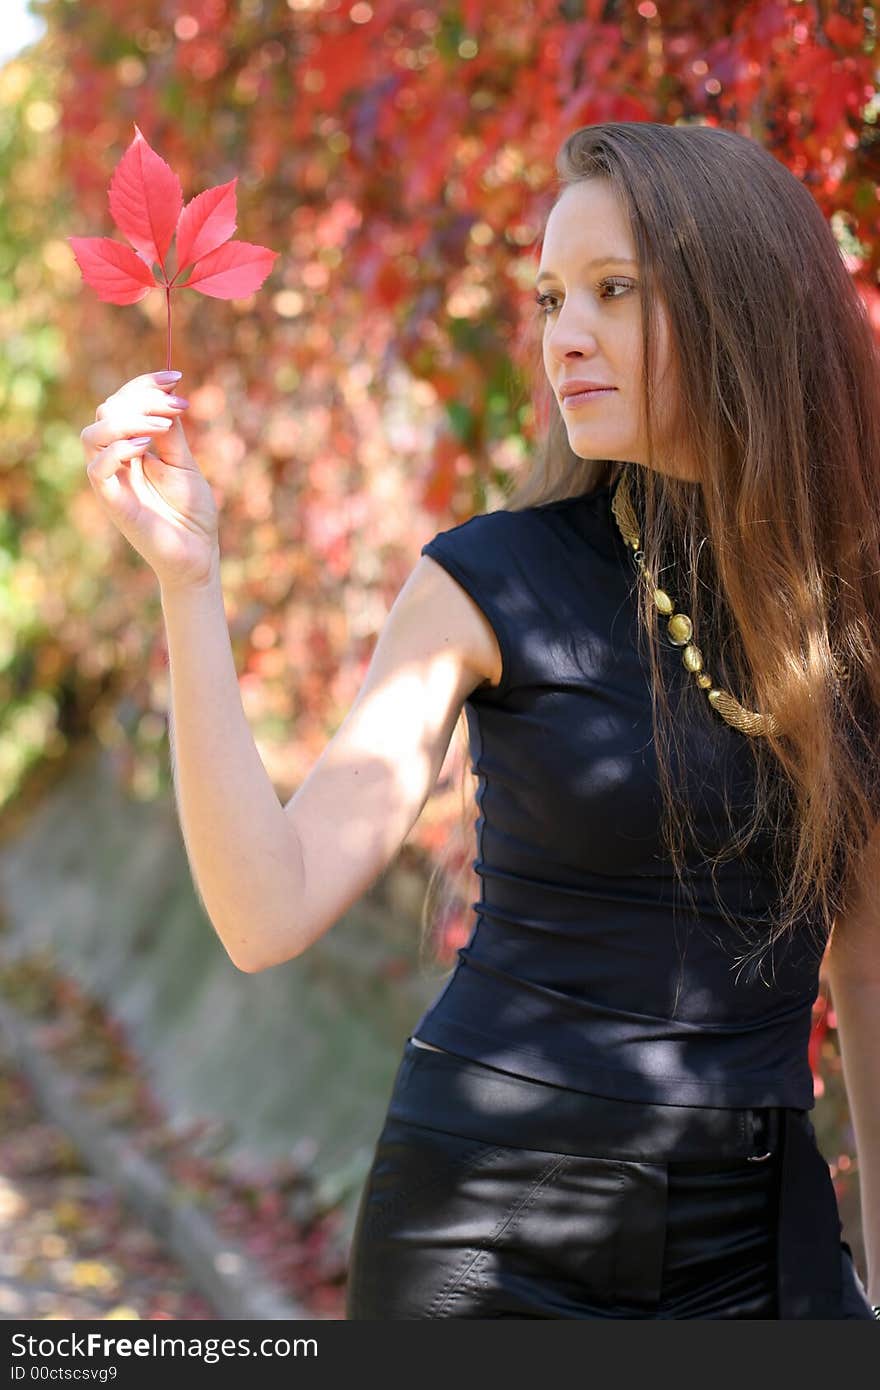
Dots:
{"x": 604, "y": 1113}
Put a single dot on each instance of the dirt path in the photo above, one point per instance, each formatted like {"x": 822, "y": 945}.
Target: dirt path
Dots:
{"x": 69, "y": 1249}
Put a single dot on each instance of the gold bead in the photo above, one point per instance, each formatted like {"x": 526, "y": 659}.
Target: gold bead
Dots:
{"x": 680, "y": 629}
{"x": 692, "y": 658}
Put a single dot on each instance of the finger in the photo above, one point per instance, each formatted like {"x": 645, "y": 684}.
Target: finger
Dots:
{"x": 152, "y": 380}
{"x": 147, "y": 381}
{"x": 116, "y": 495}
{"x": 158, "y": 402}
{"x": 146, "y": 398}
{"x": 147, "y": 392}
{"x": 112, "y": 427}
{"x": 107, "y": 461}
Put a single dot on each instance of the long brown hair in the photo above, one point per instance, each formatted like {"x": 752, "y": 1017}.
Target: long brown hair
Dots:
{"x": 777, "y": 551}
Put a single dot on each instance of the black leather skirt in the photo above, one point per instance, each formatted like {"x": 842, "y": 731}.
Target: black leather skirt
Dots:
{"x": 492, "y": 1195}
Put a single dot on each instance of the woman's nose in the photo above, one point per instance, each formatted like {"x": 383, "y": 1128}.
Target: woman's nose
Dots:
{"x": 572, "y": 332}
{"x": 572, "y": 342}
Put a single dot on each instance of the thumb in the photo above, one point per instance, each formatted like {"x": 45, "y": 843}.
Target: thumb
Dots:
{"x": 172, "y": 446}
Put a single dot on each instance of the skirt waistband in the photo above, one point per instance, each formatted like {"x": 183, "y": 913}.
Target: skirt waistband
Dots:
{"x": 481, "y": 1102}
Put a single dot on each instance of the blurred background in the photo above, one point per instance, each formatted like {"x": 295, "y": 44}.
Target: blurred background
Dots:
{"x": 400, "y": 158}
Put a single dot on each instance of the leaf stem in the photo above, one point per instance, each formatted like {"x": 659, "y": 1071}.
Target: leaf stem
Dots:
{"x": 168, "y": 345}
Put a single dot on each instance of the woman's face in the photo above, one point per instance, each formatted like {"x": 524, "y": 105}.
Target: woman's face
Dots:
{"x": 591, "y": 295}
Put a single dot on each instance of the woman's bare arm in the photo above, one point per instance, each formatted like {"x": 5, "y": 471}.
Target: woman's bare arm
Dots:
{"x": 853, "y": 964}
{"x": 272, "y": 879}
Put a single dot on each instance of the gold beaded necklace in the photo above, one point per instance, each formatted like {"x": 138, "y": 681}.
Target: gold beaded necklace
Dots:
{"x": 680, "y": 627}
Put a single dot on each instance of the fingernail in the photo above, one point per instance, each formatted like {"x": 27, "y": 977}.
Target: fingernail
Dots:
{"x": 177, "y": 400}
{"x": 167, "y": 377}
{"x": 141, "y": 439}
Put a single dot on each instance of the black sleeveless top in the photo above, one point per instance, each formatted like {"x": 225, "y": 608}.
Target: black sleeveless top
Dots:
{"x": 586, "y": 966}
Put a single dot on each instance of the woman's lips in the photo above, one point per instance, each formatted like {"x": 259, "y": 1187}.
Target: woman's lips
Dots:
{"x": 581, "y": 397}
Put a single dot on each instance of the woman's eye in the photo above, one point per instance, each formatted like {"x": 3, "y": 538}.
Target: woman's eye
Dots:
{"x": 619, "y": 284}
{"x": 544, "y": 300}
{"x": 548, "y": 302}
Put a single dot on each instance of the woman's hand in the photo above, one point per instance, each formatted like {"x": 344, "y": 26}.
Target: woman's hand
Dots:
{"x": 160, "y": 501}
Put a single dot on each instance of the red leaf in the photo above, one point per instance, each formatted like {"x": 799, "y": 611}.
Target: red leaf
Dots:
{"x": 206, "y": 222}
{"x": 231, "y": 271}
{"x": 145, "y": 200}
{"x": 846, "y": 33}
{"x": 118, "y": 274}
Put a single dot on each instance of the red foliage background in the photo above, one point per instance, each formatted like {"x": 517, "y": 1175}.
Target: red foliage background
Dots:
{"x": 400, "y": 156}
